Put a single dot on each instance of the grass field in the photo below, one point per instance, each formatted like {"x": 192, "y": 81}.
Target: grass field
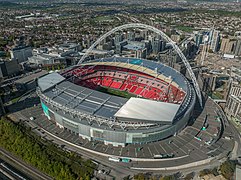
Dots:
{"x": 116, "y": 92}
{"x": 185, "y": 28}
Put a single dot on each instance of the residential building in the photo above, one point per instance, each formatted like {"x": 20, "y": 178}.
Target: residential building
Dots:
{"x": 214, "y": 40}
{"x": 130, "y": 36}
{"x": 228, "y": 45}
{"x": 233, "y": 104}
{"x": 157, "y": 46}
{"x": 9, "y": 68}
{"x": 141, "y": 53}
{"x": 21, "y": 53}
{"x": 238, "y": 47}
{"x": 198, "y": 39}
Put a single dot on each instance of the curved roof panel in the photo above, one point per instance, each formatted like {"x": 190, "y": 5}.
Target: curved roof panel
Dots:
{"x": 138, "y": 109}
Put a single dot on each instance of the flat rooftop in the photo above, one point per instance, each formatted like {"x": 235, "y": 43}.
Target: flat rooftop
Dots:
{"x": 31, "y": 77}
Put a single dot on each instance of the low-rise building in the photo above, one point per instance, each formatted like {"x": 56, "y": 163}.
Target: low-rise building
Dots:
{"x": 46, "y": 59}
{"x": 9, "y": 68}
{"x": 29, "y": 81}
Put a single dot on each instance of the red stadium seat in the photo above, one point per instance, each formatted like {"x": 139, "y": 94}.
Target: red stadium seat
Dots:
{"x": 124, "y": 79}
{"x": 138, "y": 91}
{"x": 132, "y": 90}
{"x": 116, "y": 85}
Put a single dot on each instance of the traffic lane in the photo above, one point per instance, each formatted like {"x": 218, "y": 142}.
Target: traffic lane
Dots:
{"x": 3, "y": 177}
{"x": 25, "y": 167}
{"x": 122, "y": 170}
{"x": 12, "y": 172}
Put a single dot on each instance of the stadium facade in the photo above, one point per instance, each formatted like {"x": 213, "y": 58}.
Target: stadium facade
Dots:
{"x": 154, "y": 101}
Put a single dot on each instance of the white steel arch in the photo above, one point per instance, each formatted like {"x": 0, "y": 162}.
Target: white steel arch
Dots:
{"x": 163, "y": 35}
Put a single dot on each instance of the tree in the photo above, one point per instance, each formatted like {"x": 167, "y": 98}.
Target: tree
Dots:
{"x": 127, "y": 177}
{"x": 170, "y": 177}
{"x": 210, "y": 51}
{"x": 215, "y": 171}
{"x": 227, "y": 169}
{"x": 19, "y": 140}
{"x": 139, "y": 176}
{"x": 204, "y": 172}
{"x": 189, "y": 176}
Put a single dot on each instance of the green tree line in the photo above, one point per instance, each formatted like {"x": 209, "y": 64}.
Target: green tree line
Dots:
{"x": 48, "y": 158}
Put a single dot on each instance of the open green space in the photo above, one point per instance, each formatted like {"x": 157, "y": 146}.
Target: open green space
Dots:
{"x": 216, "y": 95}
{"x": 236, "y": 123}
{"x": 15, "y": 99}
{"x": 45, "y": 156}
{"x": 185, "y": 28}
{"x": 116, "y": 92}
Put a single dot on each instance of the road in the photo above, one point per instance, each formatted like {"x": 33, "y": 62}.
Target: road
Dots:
{"x": 9, "y": 172}
{"x": 31, "y": 171}
{"x": 119, "y": 171}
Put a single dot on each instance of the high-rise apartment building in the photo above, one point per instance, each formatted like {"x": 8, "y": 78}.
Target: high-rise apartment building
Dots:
{"x": 233, "y": 104}
{"x": 228, "y": 45}
{"x": 238, "y": 48}
{"x": 198, "y": 39}
{"x": 156, "y": 47}
{"x": 21, "y": 53}
{"x": 214, "y": 39}
{"x": 130, "y": 36}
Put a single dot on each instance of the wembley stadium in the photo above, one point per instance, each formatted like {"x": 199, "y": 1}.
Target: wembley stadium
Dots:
{"x": 118, "y": 100}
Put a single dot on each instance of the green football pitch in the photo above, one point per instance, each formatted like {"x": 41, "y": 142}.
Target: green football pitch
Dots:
{"x": 115, "y": 92}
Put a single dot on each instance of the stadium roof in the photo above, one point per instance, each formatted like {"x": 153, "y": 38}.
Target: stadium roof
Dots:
{"x": 103, "y": 105}
{"x": 148, "y": 110}
{"x": 49, "y": 81}
{"x": 99, "y": 104}
{"x": 85, "y": 100}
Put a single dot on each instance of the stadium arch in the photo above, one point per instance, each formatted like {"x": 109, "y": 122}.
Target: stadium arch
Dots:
{"x": 164, "y": 36}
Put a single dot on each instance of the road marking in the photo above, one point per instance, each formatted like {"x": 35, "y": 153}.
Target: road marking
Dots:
{"x": 179, "y": 148}
{"x": 121, "y": 151}
{"x": 107, "y": 148}
{"x": 96, "y": 146}
{"x": 68, "y": 135}
{"x": 162, "y": 148}
{"x": 149, "y": 150}
{"x": 156, "y": 149}
{"x": 85, "y": 143}
{"x": 76, "y": 140}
